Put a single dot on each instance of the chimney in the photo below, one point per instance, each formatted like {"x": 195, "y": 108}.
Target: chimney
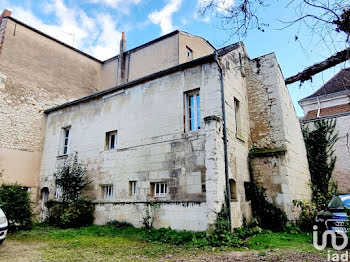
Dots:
{"x": 121, "y": 66}
{"x": 5, "y": 13}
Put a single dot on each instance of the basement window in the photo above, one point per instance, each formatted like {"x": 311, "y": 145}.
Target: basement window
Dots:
{"x": 132, "y": 188}
{"x": 107, "y": 191}
{"x": 189, "y": 53}
{"x": 66, "y": 136}
{"x": 193, "y": 111}
{"x": 111, "y": 140}
{"x": 159, "y": 189}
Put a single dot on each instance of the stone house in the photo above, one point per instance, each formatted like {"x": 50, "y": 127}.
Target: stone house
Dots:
{"x": 174, "y": 119}
{"x": 332, "y": 101}
{"x": 38, "y": 72}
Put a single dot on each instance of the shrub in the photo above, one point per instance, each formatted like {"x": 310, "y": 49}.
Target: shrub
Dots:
{"x": 70, "y": 215}
{"x": 16, "y": 204}
{"x": 72, "y": 211}
{"x": 119, "y": 224}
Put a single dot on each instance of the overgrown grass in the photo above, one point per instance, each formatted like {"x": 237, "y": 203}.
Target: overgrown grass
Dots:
{"x": 129, "y": 244}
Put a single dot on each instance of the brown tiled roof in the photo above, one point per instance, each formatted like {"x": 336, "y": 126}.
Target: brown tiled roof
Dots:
{"x": 340, "y": 82}
{"x": 328, "y": 111}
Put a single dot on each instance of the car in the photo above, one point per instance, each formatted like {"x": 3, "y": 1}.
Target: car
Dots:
{"x": 334, "y": 216}
{"x": 3, "y": 226}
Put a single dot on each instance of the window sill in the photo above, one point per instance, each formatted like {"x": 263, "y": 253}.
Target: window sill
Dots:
{"x": 62, "y": 156}
{"x": 240, "y": 137}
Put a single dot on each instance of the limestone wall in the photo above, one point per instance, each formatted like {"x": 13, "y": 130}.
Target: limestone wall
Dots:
{"x": 238, "y": 136}
{"x": 282, "y": 166}
{"x": 152, "y": 147}
{"x": 35, "y": 73}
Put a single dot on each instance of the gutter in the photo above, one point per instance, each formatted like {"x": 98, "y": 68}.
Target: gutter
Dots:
{"x": 228, "y": 191}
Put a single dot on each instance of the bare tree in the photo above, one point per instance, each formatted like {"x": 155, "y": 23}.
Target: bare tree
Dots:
{"x": 320, "y": 17}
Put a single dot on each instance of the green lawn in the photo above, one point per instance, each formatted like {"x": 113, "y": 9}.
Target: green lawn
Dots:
{"x": 97, "y": 243}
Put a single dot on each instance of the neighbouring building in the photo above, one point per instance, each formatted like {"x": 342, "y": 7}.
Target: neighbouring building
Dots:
{"x": 151, "y": 122}
{"x": 332, "y": 101}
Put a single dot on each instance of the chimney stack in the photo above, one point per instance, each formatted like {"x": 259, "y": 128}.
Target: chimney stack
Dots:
{"x": 121, "y": 65}
{"x": 5, "y": 13}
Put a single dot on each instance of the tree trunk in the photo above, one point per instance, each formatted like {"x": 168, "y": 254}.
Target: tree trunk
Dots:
{"x": 307, "y": 74}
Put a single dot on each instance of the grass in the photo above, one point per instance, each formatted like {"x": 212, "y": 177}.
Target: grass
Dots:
{"x": 107, "y": 243}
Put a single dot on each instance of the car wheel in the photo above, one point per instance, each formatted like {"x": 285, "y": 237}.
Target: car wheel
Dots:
{"x": 2, "y": 240}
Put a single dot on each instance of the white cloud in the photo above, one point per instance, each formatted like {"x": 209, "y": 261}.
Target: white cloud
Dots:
{"x": 164, "y": 16}
{"x": 95, "y": 35}
{"x": 121, "y": 5}
{"x": 221, "y": 6}
{"x": 108, "y": 40}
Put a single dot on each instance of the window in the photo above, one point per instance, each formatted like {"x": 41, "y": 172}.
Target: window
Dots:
{"x": 189, "y": 53}
{"x": 159, "y": 189}
{"x": 66, "y": 133}
{"x": 237, "y": 117}
{"x": 111, "y": 140}
{"x": 233, "y": 189}
{"x": 58, "y": 193}
{"x": 193, "y": 112}
{"x": 107, "y": 191}
{"x": 248, "y": 188}
{"x": 132, "y": 188}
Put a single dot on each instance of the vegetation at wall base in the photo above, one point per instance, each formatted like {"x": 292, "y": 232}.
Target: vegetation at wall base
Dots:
{"x": 319, "y": 143}
{"x": 17, "y": 206}
{"x": 267, "y": 215}
{"x": 71, "y": 210}
{"x": 70, "y": 214}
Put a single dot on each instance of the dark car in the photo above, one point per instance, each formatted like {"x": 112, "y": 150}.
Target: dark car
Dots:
{"x": 334, "y": 216}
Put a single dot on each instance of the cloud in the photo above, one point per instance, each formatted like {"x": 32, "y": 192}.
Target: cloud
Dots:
{"x": 108, "y": 40}
{"x": 120, "y": 5}
{"x": 164, "y": 16}
{"x": 97, "y": 36}
{"x": 220, "y": 6}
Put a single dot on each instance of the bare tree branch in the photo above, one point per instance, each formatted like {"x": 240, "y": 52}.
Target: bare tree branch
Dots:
{"x": 309, "y": 72}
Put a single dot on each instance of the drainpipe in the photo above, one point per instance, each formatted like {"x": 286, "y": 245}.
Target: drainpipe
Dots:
{"x": 228, "y": 193}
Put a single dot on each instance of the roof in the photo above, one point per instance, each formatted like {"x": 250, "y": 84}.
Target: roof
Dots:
{"x": 339, "y": 83}
{"x": 199, "y": 61}
{"x": 328, "y": 111}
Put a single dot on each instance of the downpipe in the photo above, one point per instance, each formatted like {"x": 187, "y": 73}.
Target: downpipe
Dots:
{"x": 228, "y": 191}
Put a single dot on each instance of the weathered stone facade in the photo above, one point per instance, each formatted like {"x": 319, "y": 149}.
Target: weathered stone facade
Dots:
{"x": 38, "y": 72}
{"x": 154, "y": 146}
{"x": 142, "y": 97}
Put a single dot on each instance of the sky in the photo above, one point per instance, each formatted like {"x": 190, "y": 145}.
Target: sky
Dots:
{"x": 95, "y": 26}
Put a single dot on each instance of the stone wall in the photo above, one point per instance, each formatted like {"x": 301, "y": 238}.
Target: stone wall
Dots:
{"x": 152, "y": 147}
{"x": 281, "y": 166}
{"x": 35, "y": 73}
{"x": 238, "y": 136}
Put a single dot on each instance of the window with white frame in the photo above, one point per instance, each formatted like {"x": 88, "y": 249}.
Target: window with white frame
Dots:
{"x": 193, "y": 111}
{"x": 132, "y": 188}
{"x": 160, "y": 189}
{"x": 66, "y": 135}
{"x": 111, "y": 140}
{"x": 107, "y": 191}
{"x": 189, "y": 53}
